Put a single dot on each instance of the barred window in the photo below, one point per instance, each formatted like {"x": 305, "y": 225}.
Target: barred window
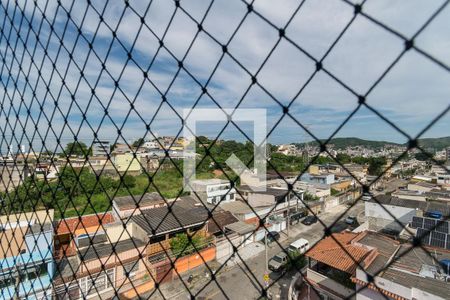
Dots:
{"x": 130, "y": 269}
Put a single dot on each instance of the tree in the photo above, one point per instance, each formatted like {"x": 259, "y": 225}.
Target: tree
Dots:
{"x": 139, "y": 142}
{"x": 376, "y": 165}
{"x": 343, "y": 158}
{"x": 129, "y": 181}
{"x": 421, "y": 156}
{"x": 181, "y": 245}
{"x": 77, "y": 148}
{"x": 310, "y": 197}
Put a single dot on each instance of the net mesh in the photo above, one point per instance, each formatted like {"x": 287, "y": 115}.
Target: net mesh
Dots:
{"x": 82, "y": 217}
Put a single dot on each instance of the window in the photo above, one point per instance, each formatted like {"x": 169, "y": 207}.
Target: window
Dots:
{"x": 37, "y": 271}
{"x": 131, "y": 269}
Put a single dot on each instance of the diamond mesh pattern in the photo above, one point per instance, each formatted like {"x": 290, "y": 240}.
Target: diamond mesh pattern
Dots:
{"x": 62, "y": 85}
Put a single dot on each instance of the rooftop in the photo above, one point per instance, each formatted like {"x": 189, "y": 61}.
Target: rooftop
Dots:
{"x": 162, "y": 220}
{"x": 430, "y": 285}
{"x": 435, "y": 205}
{"x": 277, "y": 192}
{"x": 424, "y": 184}
{"x": 98, "y": 251}
{"x": 131, "y": 202}
{"x": 209, "y": 181}
{"x": 221, "y": 218}
{"x": 404, "y": 265}
{"x": 70, "y": 225}
{"x": 239, "y": 207}
{"x": 338, "y": 252}
{"x": 241, "y": 227}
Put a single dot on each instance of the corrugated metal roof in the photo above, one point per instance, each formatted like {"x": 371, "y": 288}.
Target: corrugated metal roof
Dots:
{"x": 102, "y": 250}
{"x": 166, "y": 219}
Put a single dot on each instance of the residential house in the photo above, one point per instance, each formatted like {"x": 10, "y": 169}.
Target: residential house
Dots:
{"x": 340, "y": 267}
{"x": 12, "y": 174}
{"x": 331, "y": 264}
{"x": 281, "y": 202}
{"x": 287, "y": 149}
{"x": 320, "y": 178}
{"x": 126, "y": 206}
{"x": 26, "y": 261}
{"x": 436, "y": 194}
{"x": 421, "y": 186}
{"x": 161, "y": 225}
{"x": 393, "y": 214}
{"x": 151, "y": 145}
{"x": 47, "y": 171}
{"x": 325, "y": 169}
{"x": 126, "y": 163}
{"x": 68, "y": 231}
{"x": 400, "y": 272}
{"x": 213, "y": 191}
{"x": 109, "y": 262}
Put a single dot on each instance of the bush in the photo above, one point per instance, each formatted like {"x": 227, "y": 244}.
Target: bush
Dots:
{"x": 181, "y": 245}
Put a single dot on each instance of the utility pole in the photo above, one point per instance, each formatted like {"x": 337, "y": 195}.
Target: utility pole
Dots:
{"x": 17, "y": 284}
{"x": 288, "y": 211}
{"x": 265, "y": 248}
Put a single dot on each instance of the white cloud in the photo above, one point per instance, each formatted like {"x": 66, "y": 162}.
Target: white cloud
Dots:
{"x": 415, "y": 89}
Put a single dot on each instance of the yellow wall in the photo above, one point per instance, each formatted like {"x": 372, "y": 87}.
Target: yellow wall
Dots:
{"x": 314, "y": 169}
{"x": 126, "y": 162}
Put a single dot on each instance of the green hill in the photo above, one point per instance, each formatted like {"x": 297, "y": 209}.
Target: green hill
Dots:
{"x": 342, "y": 143}
{"x": 435, "y": 143}
{"x": 427, "y": 143}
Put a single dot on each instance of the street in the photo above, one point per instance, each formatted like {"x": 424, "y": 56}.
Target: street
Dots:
{"x": 245, "y": 281}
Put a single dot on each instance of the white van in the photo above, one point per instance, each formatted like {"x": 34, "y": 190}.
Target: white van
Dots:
{"x": 300, "y": 246}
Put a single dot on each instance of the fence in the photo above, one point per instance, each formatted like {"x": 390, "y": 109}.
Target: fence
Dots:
{"x": 81, "y": 79}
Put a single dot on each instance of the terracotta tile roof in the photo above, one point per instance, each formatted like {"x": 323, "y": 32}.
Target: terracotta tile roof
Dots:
{"x": 343, "y": 255}
{"x": 69, "y": 225}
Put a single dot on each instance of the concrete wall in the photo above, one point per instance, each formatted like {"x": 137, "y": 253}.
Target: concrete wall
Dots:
{"x": 369, "y": 294}
{"x": 186, "y": 263}
{"x": 328, "y": 283}
{"x": 224, "y": 247}
{"x": 378, "y": 217}
{"x": 126, "y": 162}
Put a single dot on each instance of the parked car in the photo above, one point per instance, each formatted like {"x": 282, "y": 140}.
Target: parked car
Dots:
{"x": 309, "y": 220}
{"x": 272, "y": 236}
{"x": 366, "y": 196}
{"x": 278, "y": 262}
{"x": 300, "y": 246}
{"x": 433, "y": 214}
{"x": 351, "y": 220}
{"x": 295, "y": 218}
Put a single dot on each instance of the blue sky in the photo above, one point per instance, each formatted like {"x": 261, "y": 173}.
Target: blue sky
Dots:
{"x": 414, "y": 92}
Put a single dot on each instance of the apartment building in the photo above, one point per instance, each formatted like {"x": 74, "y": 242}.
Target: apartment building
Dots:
{"x": 100, "y": 148}
{"x": 26, "y": 261}
{"x": 108, "y": 263}
{"x": 126, "y": 206}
